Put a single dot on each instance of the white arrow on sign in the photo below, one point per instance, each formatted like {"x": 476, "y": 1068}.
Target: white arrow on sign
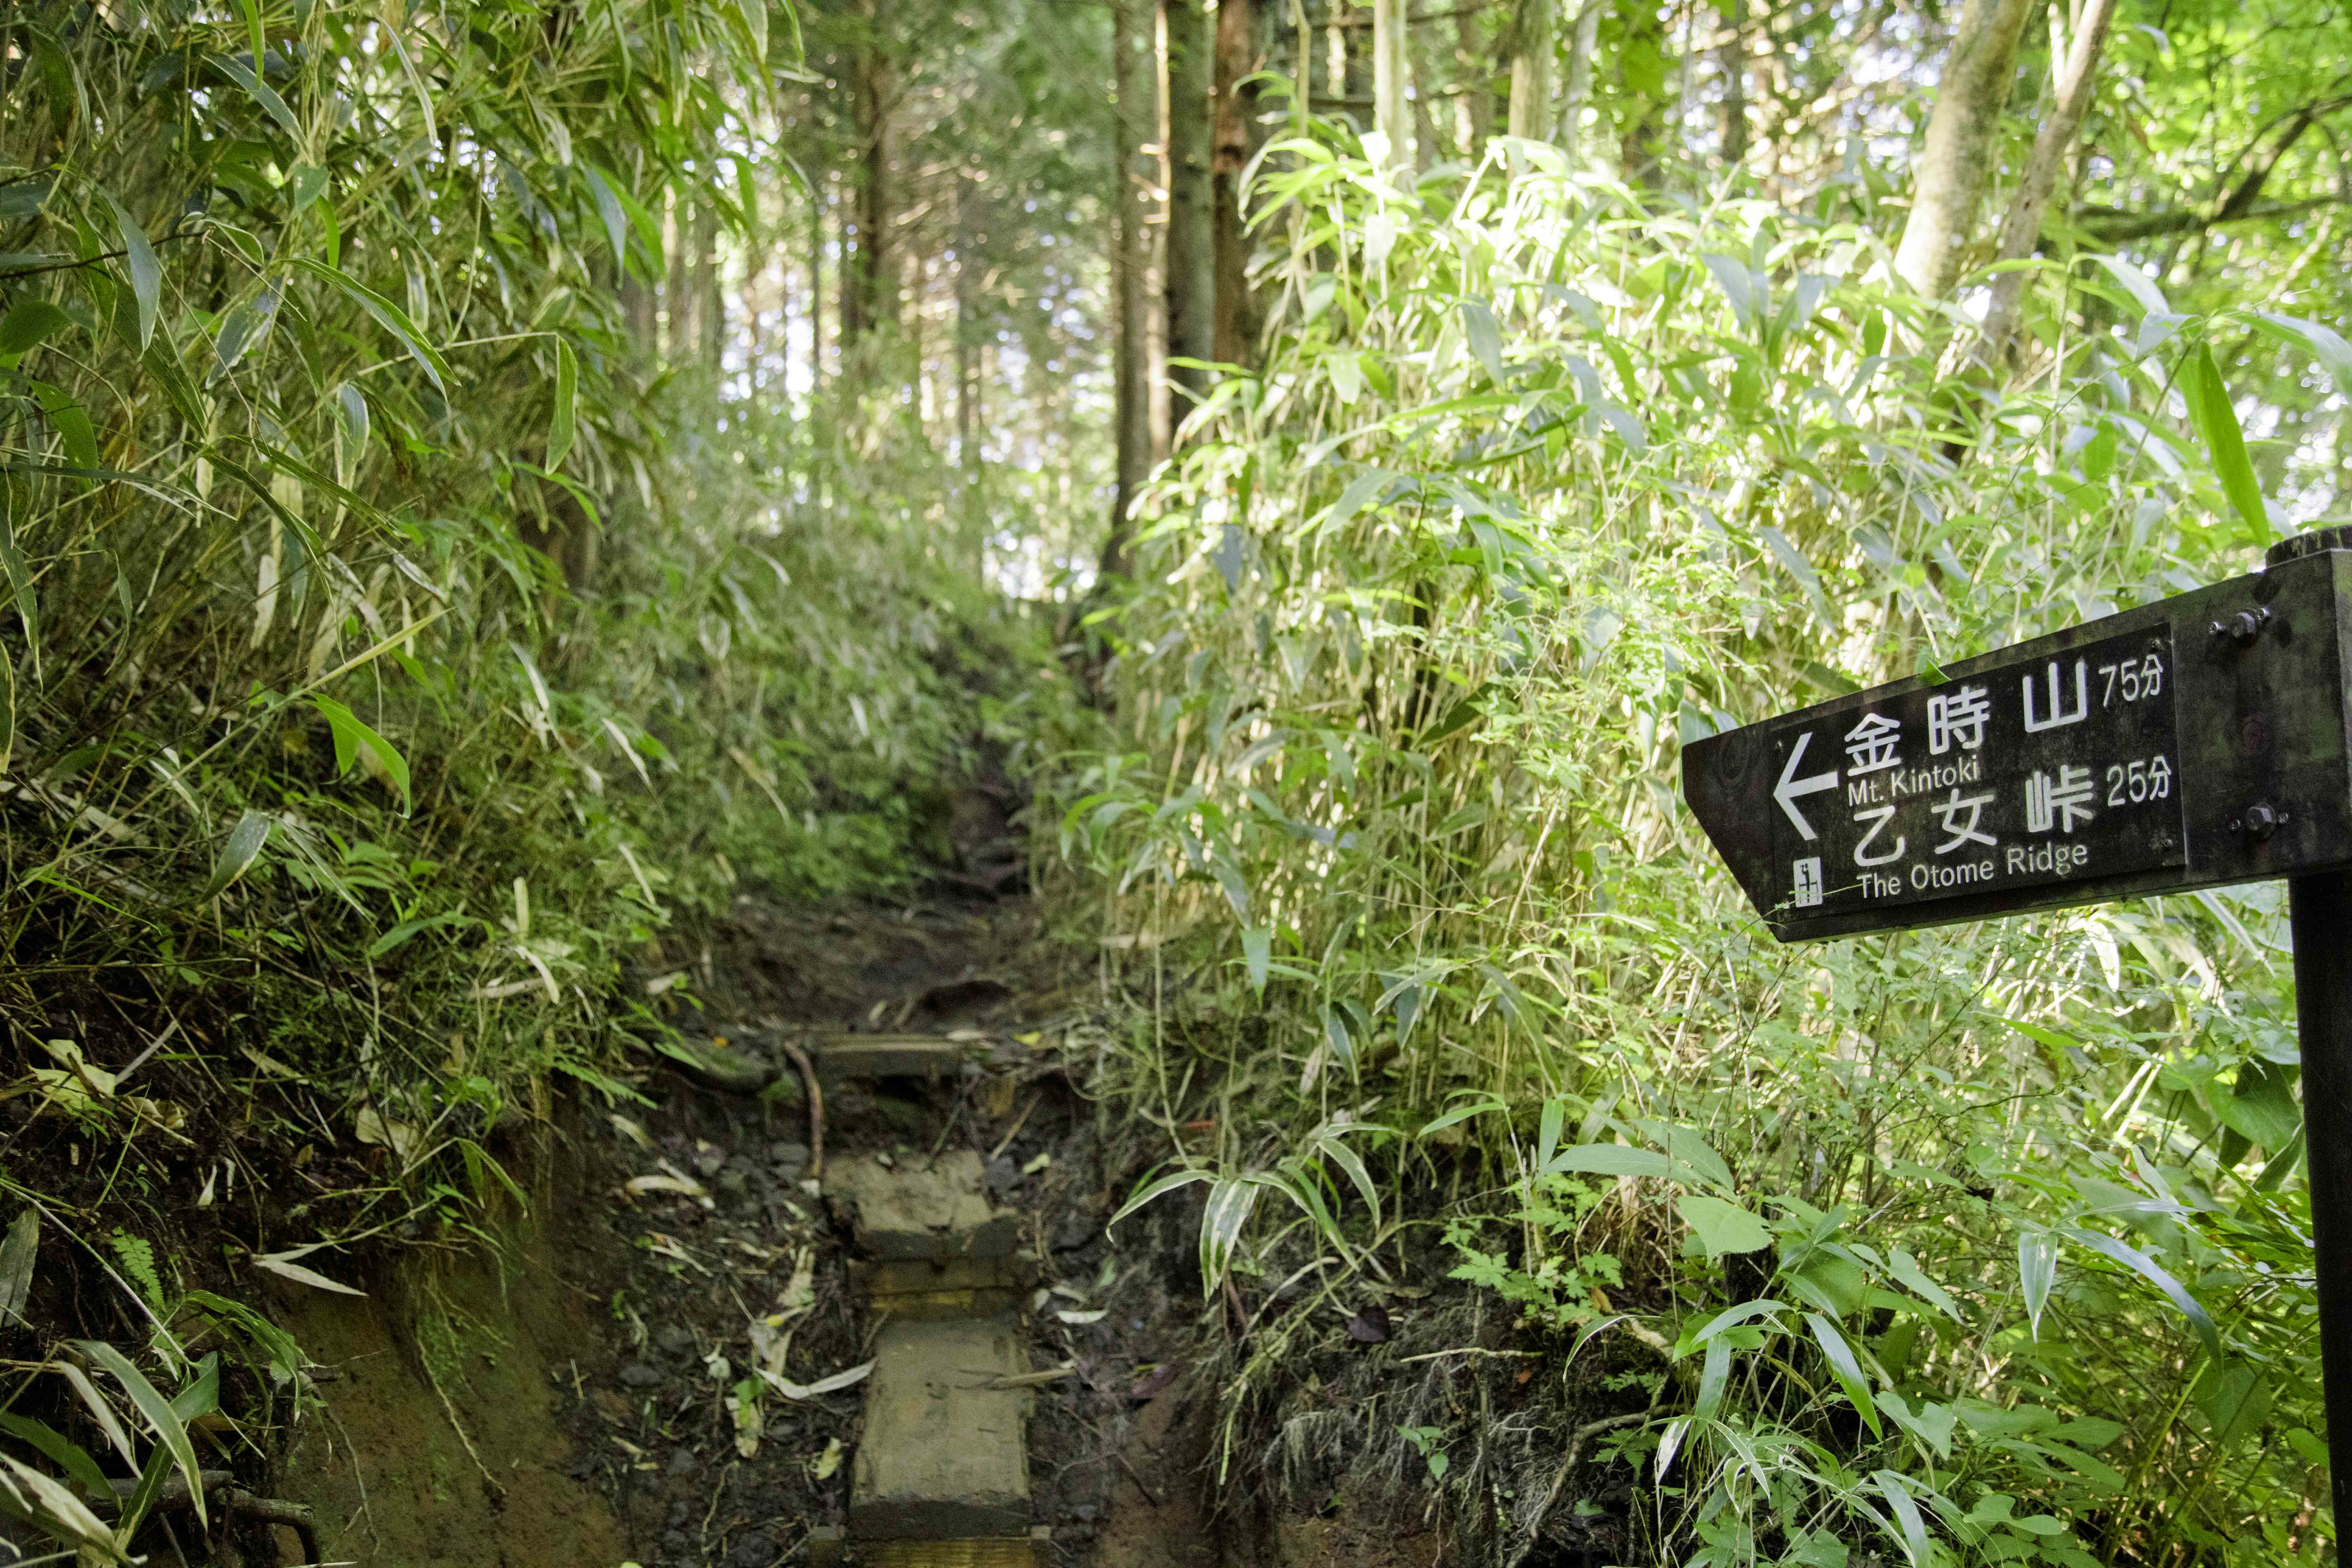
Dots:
{"x": 1790, "y": 786}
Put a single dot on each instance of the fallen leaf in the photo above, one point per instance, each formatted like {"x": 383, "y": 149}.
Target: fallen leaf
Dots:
{"x": 630, "y": 1130}
{"x": 1037, "y": 1165}
{"x": 683, "y": 1186}
{"x": 1081, "y": 1320}
{"x": 828, "y": 1461}
{"x": 301, "y": 1275}
{"x": 838, "y": 1381}
{"x": 373, "y": 1126}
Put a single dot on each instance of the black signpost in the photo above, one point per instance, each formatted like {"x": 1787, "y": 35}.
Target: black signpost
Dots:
{"x": 2191, "y": 743}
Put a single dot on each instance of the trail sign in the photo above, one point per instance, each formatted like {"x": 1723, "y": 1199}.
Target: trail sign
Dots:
{"x": 2190, "y": 744}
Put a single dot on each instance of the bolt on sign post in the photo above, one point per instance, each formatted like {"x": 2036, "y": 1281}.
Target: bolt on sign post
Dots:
{"x": 2190, "y": 744}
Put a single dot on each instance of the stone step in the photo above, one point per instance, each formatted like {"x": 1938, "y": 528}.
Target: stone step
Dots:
{"x": 920, "y": 1211}
{"x": 958, "y": 1288}
{"x": 943, "y": 1456}
{"x": 926, "y": 1057}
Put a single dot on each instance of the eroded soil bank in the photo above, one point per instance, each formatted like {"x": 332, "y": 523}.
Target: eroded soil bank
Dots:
{"x": 589, "y": 1394}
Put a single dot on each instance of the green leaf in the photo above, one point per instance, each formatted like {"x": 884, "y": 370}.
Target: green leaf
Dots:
{"x": 264, "y": 94}
{"x": 1548, "y": 1126}
{"x": 237, "y": 856}
{"x": 1257, "y": 945}
{"x": 559, "y": 428}
{"x": 67, "y": 1455}
{"x": 1848, "y": 1371}
{"x": 71, "y": 422}
{"x": 1231, "y": 1199}
{"x": 2037, "y": 1271}
{"x": 389, "y": 316}
{"x": 609, "y": 208}
{"x": 146, "y": 272}
{"x": 1722, "y": 1228}
{"x": 157, "y": 1411}
{"x": 1152, "y": 1190}
{"x": 1618, "y": 1160}
{"x": 2216, "y": 421}
{"x": 1913, "y": 1529}
{"x": 1485, "y": 336}
{"x": 2146, "y": 1267}
{"x": 351, "y": 735}
{"x": 29, "y": 324}
{"x": 1343, "y": 1045}
{"x": 1907, "y": 1268}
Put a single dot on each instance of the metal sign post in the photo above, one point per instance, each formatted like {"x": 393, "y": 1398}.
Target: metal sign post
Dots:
{"x": 2195, "y": 743}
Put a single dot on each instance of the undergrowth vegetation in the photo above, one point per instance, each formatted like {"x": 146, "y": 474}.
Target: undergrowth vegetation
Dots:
{"x": 1980, "y": 1245}
{"x": 327, "y": 808}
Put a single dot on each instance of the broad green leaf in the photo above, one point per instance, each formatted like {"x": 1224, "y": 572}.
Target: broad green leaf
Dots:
{"x": 237, "y": 856}
{"x": 146, "y": 272}
{"x": 1152, "y": 1190}
{"x": 1847, "y": 1369}
{"x": 30, "y": 322}
{"x": 71, "y": 420}
{"x": 1231, "y": 1199}
{"x": 609, "y": 209}
{"x": 2216, "y": 419}
{"x": 1485, "y": 336}
{"x": 1555, "y": 1111}
{"x": 2037, "y": 1271}
{"x": 1714, "y": 1373}
{"x": 1722, "y": 1228}
{"x": 1907, "y": 1268}
{"x": 156, "y": 1410}
{"x": 59, "y": 1450}
{"x": 353, "y": 736}
{"x": 1257, "y": 944}
{"x": 560, "y": 427}
{"x": 1911, "y": 1530}
{"x": 1343, "y": 1044}
{"x": 2139, "y": 284}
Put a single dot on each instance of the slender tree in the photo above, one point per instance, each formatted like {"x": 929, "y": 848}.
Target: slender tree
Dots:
{"x": 1240, "y": 41}
{"x": 1531, "y": 61}
{"x": 1390, "y": 78}
{"x": 2021, "y": 231}
{"x": 1191, "y": 267}
{"x": 1642, "y": 67}
{"x": 1957, "y": 162}
{"x": 871, "y": 297}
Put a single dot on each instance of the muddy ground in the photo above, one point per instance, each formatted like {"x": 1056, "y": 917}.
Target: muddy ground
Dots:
{"x": 578, "y": 1398}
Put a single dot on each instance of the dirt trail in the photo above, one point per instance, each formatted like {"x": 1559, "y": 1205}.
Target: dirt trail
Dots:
{"x": 592, "y": 1397}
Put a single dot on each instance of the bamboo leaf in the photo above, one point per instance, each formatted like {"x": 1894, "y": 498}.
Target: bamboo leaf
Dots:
{"x": 157, "y": 1411}
{"x": 389, "y": 316}
{"x": 16, "y": 1256}
{"x": 238, "y": 854}
{"x": 353, "y": 736}
{"x": 561, "y": 428}
{"x": 30, "y": 323}
{"x": 146, "y": 272}
{"x": 2225, "y": 444}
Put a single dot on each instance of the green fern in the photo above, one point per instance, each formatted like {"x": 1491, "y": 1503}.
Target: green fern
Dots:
{"x": 137, "y": 1257}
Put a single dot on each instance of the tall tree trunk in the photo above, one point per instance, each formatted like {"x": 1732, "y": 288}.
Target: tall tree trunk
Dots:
{"x": 1643, "y": 68}
{"x": 873, "y": 298}
{"x": 1239, "y": 37}
{"x": 1474, "y": 109}
{"x": 1531, "y": 71}
{"x": 1955, "y": 164}
{"x": 710, "y": 304}
{"x": 1579, "y": 90}
{"x": 1390, "y": 77}
{"x": 1192, "y": 268}
{"x": 2021, "y": 231}
{"x": 1137, "y": 107}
